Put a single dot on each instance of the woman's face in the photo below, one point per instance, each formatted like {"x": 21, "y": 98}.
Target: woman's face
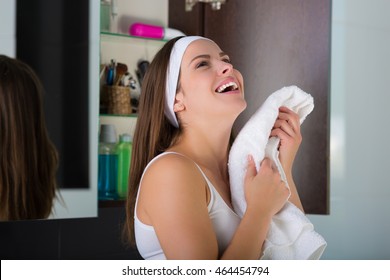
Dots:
{"x": 209, "y": 88}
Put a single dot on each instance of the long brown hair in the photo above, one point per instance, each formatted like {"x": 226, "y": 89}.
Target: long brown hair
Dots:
{"x": 153, "y": 132}
{"x": 28, "y": 159}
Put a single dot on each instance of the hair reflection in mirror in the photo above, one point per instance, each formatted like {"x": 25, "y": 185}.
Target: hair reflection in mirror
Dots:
{"x": 28, "y": 159}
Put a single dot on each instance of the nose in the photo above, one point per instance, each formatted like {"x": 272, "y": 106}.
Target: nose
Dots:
{"x": 225, "y": 67}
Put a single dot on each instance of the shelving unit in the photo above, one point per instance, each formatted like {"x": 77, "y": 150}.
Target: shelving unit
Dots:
{"x": 128, "y": 50}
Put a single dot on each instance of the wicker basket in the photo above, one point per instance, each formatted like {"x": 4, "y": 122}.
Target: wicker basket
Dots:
{"x": 118, "y": 100}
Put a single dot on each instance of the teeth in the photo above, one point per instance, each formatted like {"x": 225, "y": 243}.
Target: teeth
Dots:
{"x": 230, "y": 84}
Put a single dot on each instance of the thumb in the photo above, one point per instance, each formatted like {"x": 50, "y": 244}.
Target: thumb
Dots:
{"x": 251, "y": 168}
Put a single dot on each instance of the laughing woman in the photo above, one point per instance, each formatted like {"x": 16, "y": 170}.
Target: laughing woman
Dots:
{"x": 179, "y": 203}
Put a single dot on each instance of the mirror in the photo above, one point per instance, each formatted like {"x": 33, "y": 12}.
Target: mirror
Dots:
{"x": 81, "y": 201}
{"x": 59, "y": 39}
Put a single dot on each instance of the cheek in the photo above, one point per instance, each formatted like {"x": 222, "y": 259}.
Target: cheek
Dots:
{"x": 240, "y": 79}
{"x": 197, "y": 85}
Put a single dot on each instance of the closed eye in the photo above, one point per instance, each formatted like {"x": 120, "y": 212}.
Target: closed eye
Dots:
{"x": 227, "y": 60}
{"x": 202, "y": 64}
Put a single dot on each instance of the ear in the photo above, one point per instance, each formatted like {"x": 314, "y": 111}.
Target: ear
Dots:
{"x": 179, "y": 102}
{"x": 178, "y": 107}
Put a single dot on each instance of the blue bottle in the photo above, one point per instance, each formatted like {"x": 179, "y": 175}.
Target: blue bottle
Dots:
{"x": 108, "y": 163}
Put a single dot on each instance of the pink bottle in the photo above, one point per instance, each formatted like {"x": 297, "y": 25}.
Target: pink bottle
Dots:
{"x": 153, "y": 31}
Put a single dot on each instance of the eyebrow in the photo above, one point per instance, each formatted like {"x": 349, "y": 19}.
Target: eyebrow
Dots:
{"x": 207, "y": 56}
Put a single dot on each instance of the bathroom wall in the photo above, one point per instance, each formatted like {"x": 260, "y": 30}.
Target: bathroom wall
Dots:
{"x": 8, "y": 27}
{"x": 358, "y": 226}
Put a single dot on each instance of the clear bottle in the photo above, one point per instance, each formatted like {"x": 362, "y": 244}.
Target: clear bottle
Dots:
{"x": 108, "y": 163}
{"x": 105, "y": 10}
{"x": 124, "y": 157}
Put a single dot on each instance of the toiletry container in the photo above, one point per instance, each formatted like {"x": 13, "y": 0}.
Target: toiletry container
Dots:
{"x": 105, "y": 10}
{"x": 108, "y": 163}
{"x": 153, "y": 31}
{"x": 124, "y": 158}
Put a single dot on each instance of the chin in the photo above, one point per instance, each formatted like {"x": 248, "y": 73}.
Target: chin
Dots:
{"x": 240, "y": 106}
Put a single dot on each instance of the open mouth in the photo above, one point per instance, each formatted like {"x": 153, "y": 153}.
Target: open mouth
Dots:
{"x": 230, "y": 86}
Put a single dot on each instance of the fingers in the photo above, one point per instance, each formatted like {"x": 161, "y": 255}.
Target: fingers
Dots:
{"x": 251, "y": 172}
{"x": 287, "y": 124}
{"x": 289, "y": 117}
{"x": 268, "y": 164}
{"x": 284, "y": 126}
{"x": 251, "y": 168}
{"x": 265, "y": 192}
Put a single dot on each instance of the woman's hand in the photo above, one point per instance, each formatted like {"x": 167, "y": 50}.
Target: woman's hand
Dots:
{"x": 265, "y": 192}
{"x": 287, "y": 127}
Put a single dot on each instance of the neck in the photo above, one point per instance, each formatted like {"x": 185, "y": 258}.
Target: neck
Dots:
{"x": 207, "y": 146}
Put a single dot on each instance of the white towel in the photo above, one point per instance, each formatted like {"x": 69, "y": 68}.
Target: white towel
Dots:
{"x": 291, "y": 235}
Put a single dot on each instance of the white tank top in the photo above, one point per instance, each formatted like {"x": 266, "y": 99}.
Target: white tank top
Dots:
{"x": 224, "y": 220}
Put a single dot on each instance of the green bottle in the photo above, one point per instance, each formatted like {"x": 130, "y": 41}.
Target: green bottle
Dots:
{"x": 124, "y": 157}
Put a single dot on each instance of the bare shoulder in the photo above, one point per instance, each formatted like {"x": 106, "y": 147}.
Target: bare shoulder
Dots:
{"x": 172, "y": 168}
{"x": 170, "y": 180}
{"x": 173, "y": 199}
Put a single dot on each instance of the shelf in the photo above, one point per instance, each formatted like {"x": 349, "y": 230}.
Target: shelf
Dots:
{"x": 123, "y": 124}
{"x": 111, "y": 203}
{"x": 120, "y": 36}
{"x": 124, "y": 116}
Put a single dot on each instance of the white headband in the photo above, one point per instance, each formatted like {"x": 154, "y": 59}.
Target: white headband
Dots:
{"x": 173, "y": 75}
